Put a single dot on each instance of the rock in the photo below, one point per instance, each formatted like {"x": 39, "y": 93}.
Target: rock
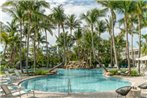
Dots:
{"x": 76, "y": 64}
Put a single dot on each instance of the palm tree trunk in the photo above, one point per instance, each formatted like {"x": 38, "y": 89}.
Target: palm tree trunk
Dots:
{"x": 47, "y": 58}
{"x": 58, "y": 30}
{"x": 127, "y": 44}
{"x": 20, "y": 54}
{"x": 57, "y": 45}
{"x": 139, "y": 52}
{"x": 113, "y": 41}
{"x": 92, "y": 42}
{"x": 28, "y": 39}
{"x": 132, "y": 52}
{"x": 70, "y": 30}
{"x": 111, "y": 51}
{"x": 111, "y": 46}
{"x": 64, "y": 58}
{"x": 35, "y": 49}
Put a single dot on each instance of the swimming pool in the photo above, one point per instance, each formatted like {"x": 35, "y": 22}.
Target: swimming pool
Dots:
{"x": 79, "y": 80}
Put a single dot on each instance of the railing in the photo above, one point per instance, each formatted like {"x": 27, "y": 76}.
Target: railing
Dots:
{"x": 69, "y": 87}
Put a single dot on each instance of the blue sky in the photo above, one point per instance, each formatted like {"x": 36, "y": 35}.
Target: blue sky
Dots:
{"x": 76, "y": 7}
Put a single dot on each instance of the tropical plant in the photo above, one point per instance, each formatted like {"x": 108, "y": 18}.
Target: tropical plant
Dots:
{"x": 72, "y": 22}
{"x": 91, "y": 18}
{"x": 111, "y": 6}
{"x": 127, "y": 7}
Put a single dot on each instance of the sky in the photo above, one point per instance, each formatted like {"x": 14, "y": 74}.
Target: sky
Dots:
{"x": 76, "y": 7}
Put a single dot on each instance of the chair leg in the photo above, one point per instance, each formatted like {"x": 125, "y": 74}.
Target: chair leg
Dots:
{"x": 33, "y": 94}
{"x": 117, "y": 95}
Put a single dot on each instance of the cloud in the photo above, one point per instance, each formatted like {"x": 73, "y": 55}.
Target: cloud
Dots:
{"x": 76, "y": 7}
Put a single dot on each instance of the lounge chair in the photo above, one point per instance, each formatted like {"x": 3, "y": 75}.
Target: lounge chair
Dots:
{"x": 143, "y": 86}
{"x": 123, "y": 91}
{"x": 16, "y": 92}
{"x": 145, "y": 75}
{"x": 18, "y": 74}
{"x": 11, "y": 77}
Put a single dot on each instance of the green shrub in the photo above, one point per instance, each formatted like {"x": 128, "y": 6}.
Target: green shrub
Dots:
{"x": 41, "y": 72}
{"x": 3, "y": 67}
{"x": 113, "y": 72}
{"x": 123, "y": 70}
{"x": 134, "y": 73}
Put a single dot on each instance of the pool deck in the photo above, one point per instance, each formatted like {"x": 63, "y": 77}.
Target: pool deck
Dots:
{"x": 38, "y": 94}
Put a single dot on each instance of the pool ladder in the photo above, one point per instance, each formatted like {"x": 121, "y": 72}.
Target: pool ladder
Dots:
{"x": 69, "y": 87}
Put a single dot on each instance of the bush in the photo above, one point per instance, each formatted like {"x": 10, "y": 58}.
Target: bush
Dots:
{"x": 3, "y": 68}
{"x": 41, "y": 72}
{"x": 134, "y": 73}
{"x": 123, "y": 72}
{"x": 113, "y": 72}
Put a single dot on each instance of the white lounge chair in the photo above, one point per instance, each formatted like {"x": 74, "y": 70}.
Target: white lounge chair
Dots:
{"x": 10, "y": 76}
{"x": 16, "y": 92}
{"x": 18, "y": 74}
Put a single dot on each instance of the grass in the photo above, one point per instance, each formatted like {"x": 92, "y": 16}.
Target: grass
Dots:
{"x": 41, "y": 72}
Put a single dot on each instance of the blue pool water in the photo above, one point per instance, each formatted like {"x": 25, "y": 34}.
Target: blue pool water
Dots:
{"x": 81, "y": 80}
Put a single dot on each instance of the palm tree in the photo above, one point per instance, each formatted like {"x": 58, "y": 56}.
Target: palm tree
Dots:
{"x": 100, "y": 27}
{"x": 140, "y": 8}
{"x": 72, "y": 22}
{"x": 4, "y": 36}
{"x": 108, "y": 23}
{"x": 4, "y": 39}
{"x": 127, "y": 7}
{"x": 69, "y": 42}
{"x": 111, "y": 6}
{"x": 78, "y": 36}
{"x": 59, "y": 18}
{"x": 17, "y": 13}
{"x": 10, "y": 38}
{"x": 131, "y": 31}
{"x": 47, "y": 26}
{"x": 144, "y": 45}
{"x": 91, "y": 18}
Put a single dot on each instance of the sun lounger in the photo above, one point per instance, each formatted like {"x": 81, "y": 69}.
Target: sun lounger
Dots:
{"x": 18, "y": 74}
{"x": 123, "y": 91}
{"x": 143, "y": 86}
{"x": 16, "y": 92}
{"x": 10, "y": 76}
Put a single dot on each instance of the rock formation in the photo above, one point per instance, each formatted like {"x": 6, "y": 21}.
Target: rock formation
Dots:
{"x": 76, "y": 64}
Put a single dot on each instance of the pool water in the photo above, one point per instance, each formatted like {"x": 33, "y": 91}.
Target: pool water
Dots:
{"x": 79, "y": 80}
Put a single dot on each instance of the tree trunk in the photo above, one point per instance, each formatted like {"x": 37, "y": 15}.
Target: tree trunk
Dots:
{"x": 47, "y": 58}
{"x": 113, "y": 41}
{"x": 64, "y": 58}
{"x": 58, "y": 30}
{"x": 70, "y": 30}
{"x": 20, "y": 54}
{"x": 35, "y": 49}
{"x": 111, "y": 51}
{"x": 57, "y": 45}
{"x": 28, "y": 37}
{"x": 127, "y": 44}
{"x": 139, "y": 31}
{"x": 132, "y": 51}
{"x": 92, "y": 42}
{"x": 111, "y": 45}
